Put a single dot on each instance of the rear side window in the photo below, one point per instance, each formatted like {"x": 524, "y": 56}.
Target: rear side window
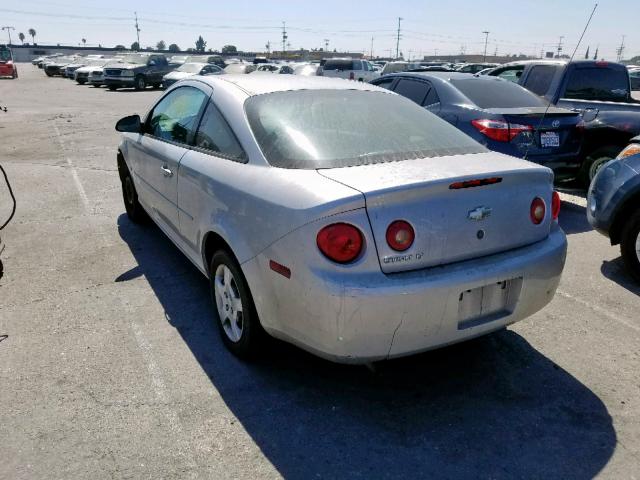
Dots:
{"x": 414, "y": 90}
{"x": 174, "y": 117}
{"x": 539, "y": 79}
{"x": 492, "y": 93}
{"x": 215, "y": 135}
{"x": 309, "y": 129}
{"x": 337, "y": 65}
{"x": 385, "y": 82}
{"x": 598, "y": 83}
{"x": 512, "y": 74}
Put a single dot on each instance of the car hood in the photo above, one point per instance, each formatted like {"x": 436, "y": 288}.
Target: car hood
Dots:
{"x": 177, "y": 75}
{"x": 127, "y": 66}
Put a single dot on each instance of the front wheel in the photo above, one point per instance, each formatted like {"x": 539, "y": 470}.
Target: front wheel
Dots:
{"x": 140, "y": 83}
{"x": 630, "y": 245}
{"x": 81, "y": 82}
{"x": 237, "y": 318}
{"x": 135, "y": 211}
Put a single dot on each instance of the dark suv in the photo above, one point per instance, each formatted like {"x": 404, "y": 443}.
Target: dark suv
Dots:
{"x": 137, "y": 71}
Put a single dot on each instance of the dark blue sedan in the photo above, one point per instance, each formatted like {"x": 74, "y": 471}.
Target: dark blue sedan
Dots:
{"x": 613, "y": 204}
{"x": 499, "y": 114}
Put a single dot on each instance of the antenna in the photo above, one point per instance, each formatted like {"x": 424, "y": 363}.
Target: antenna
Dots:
{"x": 546, "y": 110}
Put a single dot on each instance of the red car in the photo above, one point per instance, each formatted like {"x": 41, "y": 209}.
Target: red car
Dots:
{"x": 7, "y": 67}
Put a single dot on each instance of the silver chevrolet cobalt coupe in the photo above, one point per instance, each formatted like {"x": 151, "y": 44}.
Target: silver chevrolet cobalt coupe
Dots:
{"x": 341, "y": 217}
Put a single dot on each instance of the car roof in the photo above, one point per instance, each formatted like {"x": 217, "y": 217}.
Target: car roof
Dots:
{"x": 442, "y": 76}
{"x": 258, "y": 85}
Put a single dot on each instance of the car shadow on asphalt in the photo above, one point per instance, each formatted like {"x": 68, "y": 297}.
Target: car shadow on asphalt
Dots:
{"x": 494, "y": 407}
{"x": 615, "y": 270}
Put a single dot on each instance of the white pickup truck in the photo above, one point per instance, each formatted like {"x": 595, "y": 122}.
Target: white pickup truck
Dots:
{"x": 348, "y": 68}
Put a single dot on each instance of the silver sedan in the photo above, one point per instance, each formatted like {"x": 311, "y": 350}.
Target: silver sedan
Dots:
{"x": 339, "y": 216}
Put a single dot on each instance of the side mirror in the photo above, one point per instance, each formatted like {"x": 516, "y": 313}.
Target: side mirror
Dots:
{"x": 152, "y": 63}
{"x": 130, "y": 124}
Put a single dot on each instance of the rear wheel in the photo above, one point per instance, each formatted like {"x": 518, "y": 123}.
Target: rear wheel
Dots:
{"x": 140, "y": 83}
{"x": 81, "y": 82}
{"x": 630, "y": 245}
{"x": 594, "y": 162}
{"x": 237, "y": 318}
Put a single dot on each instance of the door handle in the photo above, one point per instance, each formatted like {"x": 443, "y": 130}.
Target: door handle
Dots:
{"x": 166, "y": 172}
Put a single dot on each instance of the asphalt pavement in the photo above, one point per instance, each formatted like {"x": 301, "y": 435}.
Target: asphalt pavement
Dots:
{"x": 112, "y": 367}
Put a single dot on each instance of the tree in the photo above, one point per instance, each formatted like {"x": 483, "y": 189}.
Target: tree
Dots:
{"x": 161, "y": 45}
{"x": 120, "y": 47}
{"x": 84, "y": 42}
{"x": 201, "y": 45}
{"x": 229, "y": 50}
{"x": 32, "y": 32}
{"x": 21, "y": 37}
{"x": 135, "y": 46}
{"x": 174, "y": 48}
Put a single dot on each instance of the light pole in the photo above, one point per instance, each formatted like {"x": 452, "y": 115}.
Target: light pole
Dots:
{"x": 486, "y": 40}
{"x": 8, "y": 29}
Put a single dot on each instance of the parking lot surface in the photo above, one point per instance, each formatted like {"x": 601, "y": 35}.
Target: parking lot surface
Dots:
{"x": 113, "y": 368}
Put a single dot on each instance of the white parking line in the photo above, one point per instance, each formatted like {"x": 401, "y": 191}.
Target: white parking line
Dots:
{"x": 74, "y": 171}
{"x": 599, "y": 309}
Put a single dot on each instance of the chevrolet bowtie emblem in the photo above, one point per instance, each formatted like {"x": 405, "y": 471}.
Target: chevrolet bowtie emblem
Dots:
{"x": 479, "y": 213}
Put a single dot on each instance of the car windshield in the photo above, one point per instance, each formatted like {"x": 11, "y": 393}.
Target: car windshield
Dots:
{"x": 493, "y": 93}
{"x": 191, "y": 67}
{"x": 137, "y": 58}
{"x": 310, "y": 129}
{"x": 599, "y": 83}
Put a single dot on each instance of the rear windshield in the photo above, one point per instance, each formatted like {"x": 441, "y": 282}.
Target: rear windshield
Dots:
{"x": 492, "y": 93}
{"x": 310, "y": 129}
{"x": 338, "y": 65}
{"x": 5, "y": 54}
{"x": 606, "y": 84}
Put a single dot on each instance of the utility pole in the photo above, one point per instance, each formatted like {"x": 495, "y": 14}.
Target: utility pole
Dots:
{"x": 398, "y": 39}
{"x": 268, "y": 47}
{"x": 435, "y": 51}
{"x": 621, "y": 48}
{"x": 8, "y": 29}
{"x": 326, "y": 44}
{"x": 560, "y": 45}
{"x": 486, "y": 40}
{"x": 284, "y": 38}
{"x": 137, "y": 30}
{"x": 410, "y": 52}
{"x": 371, "y": 53}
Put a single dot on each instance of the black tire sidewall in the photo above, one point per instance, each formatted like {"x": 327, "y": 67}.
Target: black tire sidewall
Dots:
{"x": 628, "y": 245}
{"x": 135, "y": 212}
{"x": 249, "y": 344}
{"x": 137, "y": 82}
{"x": 607, "y": 153}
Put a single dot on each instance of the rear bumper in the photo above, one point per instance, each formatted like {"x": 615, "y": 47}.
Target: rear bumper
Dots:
{"x": 363, "y": 318}
{"x": 6, "y": 70}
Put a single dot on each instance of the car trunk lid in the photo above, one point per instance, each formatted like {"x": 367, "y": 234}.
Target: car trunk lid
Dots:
{"x": 451, "y": 224}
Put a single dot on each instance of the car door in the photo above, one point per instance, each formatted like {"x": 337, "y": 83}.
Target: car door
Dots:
{"x": 168, "y": 131}
{"x": 204, "y": 191}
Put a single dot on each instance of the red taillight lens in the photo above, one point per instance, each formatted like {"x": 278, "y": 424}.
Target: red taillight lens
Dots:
{"x": 400, "y": 235}
{"x": 555, "y": 205}
{"x": 340, "y": 242}
{"x": 538, "y": 210}
{"x": 500, "y": 131}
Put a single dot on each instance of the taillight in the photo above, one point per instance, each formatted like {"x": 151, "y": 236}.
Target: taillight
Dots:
{"x": 340, "y": 242}
{"x": 352, "y": 76}
{"x": 400, "y": 235}
{"x": 555, "y": 205}
{"x": 500, "y": 131}
{"x": 538, "y": 211}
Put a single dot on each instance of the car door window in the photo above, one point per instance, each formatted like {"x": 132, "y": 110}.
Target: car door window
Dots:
{"x": 412, "y": 89}
{"x": 512, "y": 74}
{"x": 174, "y": 117}
{"x": 432, "y": 98}
{"x": 539, "y": 79}
{"x": 385, "y": 83}
{"x": 215, "y": 135}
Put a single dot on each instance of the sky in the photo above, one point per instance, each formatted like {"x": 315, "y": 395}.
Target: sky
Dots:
{"x": 427, "y": 27}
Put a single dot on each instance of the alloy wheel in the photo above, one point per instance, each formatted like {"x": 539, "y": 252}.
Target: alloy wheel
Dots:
{"x": 228, "y": 303}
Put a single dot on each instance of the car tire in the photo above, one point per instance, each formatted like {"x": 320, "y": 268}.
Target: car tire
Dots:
{"x": 140, "y": 82}
{"x": 81, "y": 82}
{"x": 594, "y": 162}
{"x": 135, "y": 211}
{"x": 113, "y": 88}
{"x": 234, "y": 310}
{"x": 48, "y": 74}
{"x": 630, "y": 245}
